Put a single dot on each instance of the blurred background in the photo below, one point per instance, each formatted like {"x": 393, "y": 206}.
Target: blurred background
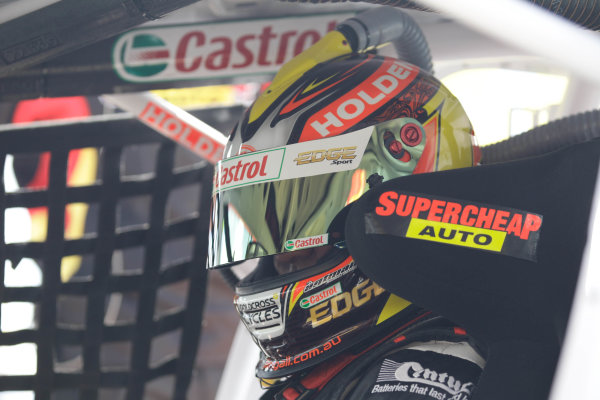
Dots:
{"x": 211, "y": 58}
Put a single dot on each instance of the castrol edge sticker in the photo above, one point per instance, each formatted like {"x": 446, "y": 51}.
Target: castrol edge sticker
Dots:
{"x": 316, "y": 157}
{"x": 262, "y": 313}
{"x": 218, "y": 49}
{"x": 455, "y": 222}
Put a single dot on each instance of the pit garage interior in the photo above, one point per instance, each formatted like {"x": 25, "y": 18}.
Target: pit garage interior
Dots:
{"x": 105, "y": 217}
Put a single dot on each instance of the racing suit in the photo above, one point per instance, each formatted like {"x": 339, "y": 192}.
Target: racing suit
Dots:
{"x": 433, "y": 360}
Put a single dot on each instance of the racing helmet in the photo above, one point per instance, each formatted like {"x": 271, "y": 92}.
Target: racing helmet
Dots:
{"x": 310, "y": 145}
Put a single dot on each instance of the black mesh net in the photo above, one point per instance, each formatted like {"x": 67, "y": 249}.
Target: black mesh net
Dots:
{"x": 127, "y": 315}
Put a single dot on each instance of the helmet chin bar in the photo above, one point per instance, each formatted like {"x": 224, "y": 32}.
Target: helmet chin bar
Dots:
{"x": 302, "y": 318}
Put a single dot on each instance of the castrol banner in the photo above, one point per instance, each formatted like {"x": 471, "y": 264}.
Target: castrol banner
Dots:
{"x": 225, "y": 49}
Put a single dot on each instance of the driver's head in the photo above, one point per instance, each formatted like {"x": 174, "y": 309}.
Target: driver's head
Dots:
{"x": 302, "y": 152}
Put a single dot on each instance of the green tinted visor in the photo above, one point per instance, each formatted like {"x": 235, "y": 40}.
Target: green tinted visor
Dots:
{"x": 283, "y": 199}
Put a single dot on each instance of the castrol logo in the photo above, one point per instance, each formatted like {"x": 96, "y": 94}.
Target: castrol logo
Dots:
{"x": 307, "y": 242}
{"x": 248, "y": 169}
{"x": 321, "y": 296}
{"x": 219, "y": 49}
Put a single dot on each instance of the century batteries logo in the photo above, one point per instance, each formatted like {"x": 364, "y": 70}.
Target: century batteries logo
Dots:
{"x": 307, "y": 242}
{"x": 336, "y": 155}
{"x": 498, "y": 229}
{"x": 221, "y": 49}
{"x": 321, "y": 296}
{"x": 413, "y": 377}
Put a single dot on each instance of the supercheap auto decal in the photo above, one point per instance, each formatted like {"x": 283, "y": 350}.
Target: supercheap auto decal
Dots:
{"x": 456, "y": 222}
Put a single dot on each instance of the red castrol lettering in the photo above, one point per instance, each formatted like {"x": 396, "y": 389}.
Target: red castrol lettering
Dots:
{"x": 242, "y": 171}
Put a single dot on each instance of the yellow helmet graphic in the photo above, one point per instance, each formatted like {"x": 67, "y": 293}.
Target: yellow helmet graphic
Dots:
{"x": 332, "y": 124}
